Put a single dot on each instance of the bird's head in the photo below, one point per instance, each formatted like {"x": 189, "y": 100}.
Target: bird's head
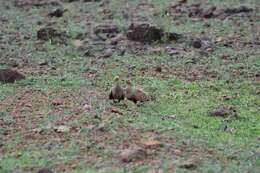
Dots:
{"x": 129, "y": 82}
{"x": 116, "y": 78}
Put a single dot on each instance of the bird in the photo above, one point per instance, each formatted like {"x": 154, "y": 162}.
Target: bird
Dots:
{"x": 134, "y": 93}
{"x": 10, "y": 76}
{"x": 117, "y": 92}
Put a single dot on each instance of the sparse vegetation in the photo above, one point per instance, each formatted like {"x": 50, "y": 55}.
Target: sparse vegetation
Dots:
{"x": 60, "y": 116}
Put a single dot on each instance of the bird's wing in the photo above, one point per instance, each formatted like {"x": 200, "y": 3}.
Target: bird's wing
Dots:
{"x": 111, "y": 94}
{"x": 122, "y": 95}
{"x": 140, "y": 94}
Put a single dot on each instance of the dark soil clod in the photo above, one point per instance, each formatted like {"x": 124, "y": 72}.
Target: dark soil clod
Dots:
{"x": 106, "y": 28}
{"x": 37, "y": 3}
{"x": 57, "y": 13}
{"x": 205, "y": 11}
{"x": 209, "y": 12}
{"x": 45, "y": 170}
{"x": 223, "y": 111}
{"x": 129, "y": 155}
{"x": 147, "y": 33}
{"x": 196, "y": 43}
{"x": 188, "y": 164}
{"x": 50, "y": 33}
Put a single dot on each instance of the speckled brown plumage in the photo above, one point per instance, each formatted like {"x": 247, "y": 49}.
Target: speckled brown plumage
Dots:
{"x": 116, "y": 93}
{"x": 135, "y": 94}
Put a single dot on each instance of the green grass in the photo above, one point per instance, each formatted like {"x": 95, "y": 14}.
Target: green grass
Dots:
{"x": 26, "y": 106}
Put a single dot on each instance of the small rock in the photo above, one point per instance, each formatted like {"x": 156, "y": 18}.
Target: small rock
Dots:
{"x": 62, "y": 129}
{"x": 150, "y": 143}
{"x": 106, "y": 28}
{"x": 155, "y": 171}
{"x": 114, "y": 110}
{"x": 156, "y": 50}
{"x": 45, "y": 170}
{"x": 220, "y": 13}
{"x": 177, "y": 152}
{"x": 226, "y": 98}
{"x": 223, "y": 111}
{"x": 70, "y": 0}
{"x": 195, "y": 11}
{"x": 57, "y": 102}
{"x": 37, "y": 3}
{"x": 209, "y": 12}
{"x": 172, "y": 50}
{"x": 167, "y": 117}
{"x": 87, "y": 107}
{"x": 223, "y": 126}
{"x": 57, "y": 13}
{"x": 12, "y": 62}
{"x": 144, "y": 33}
{"x": 172, "y": 36}
{"x": 116, "y": 40}
{"x": 91, "y": 127}
{"x": 147, "y": 33}
{"x": 182, "y": 1}
{"x": 91, "y": 0}
{"x": 97, "y": 127}
{"x": 219, "y": 39}
{"x": 108, "y": 53}
{"x": 49, "y": 33}
{"x": 196, "y": 43}
{"x": 3, "y": 19}
{"x": 77, "y": 43}
{"x": 158, "y": 69}
{"x": 101, "y": 127}
{"x": 188, "y": 164}
{"x": 10, "y": 76}
{"x": 87, "y": 52}
{"x": 43, "y": 62}
{"x": 130, "y": 155}
{"x": 241, "y": 9}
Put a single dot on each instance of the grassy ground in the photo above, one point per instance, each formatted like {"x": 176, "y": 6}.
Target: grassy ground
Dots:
{"x": 188, "y": 86}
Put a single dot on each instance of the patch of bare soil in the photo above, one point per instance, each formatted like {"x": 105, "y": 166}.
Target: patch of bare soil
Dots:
{"x": 128, "y": 147}
{"x": 139, "y": 35}
{"x": 50, "y": 33}
{"x": 198, "y": 10}
{"x": 57, "y": 12}
{"x": 147, "y": 33}
{"x": 45, "y": 170}
{"x": 37, "y": 3}
{"x": 223, "y": 111}
{"x": 107, "y": 39}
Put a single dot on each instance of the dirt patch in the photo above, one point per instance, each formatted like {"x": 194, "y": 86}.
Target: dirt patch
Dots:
{"x": 37, "y": 3}
{"x": 45, "y": 170}
{"x": 108, "y": 40}
{"x": 147, "y": 33}
{"x": 144, "y": 33}
{"x": 66, "y": 125}
{"x": 12, "y": 62}
{"x": 188, "y": 164}
{"x": 129, "y": 155}
{"x": 223, "y": 111}
{"x": 57, "y": 12}
{"x": 206, "y": 11}
{"x": 109, "y": 29}
{"x": 50, "y": 33}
